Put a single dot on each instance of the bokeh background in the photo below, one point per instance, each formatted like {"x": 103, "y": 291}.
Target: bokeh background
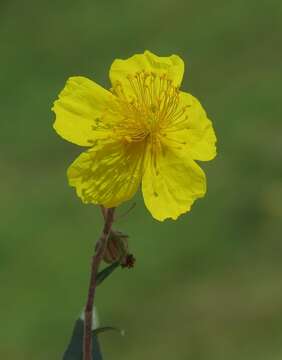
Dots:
{"x": 206, "y": 287}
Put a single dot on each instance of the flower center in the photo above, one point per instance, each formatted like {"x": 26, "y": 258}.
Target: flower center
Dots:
{"x": 148, "y": 103}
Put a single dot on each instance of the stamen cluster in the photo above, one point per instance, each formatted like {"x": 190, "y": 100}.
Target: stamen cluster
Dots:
{"x": 152, "y": 107}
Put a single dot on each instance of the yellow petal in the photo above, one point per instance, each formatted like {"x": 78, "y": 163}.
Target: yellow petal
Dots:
{"x": 79, "y": 105}
{"x": 107, "y": 175}
{"x": 193, "y": 131}
{"x": 172, "y": 66}
{"x": 171, "y": 183}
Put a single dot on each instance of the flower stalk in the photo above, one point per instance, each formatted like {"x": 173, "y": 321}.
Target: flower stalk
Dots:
{"x": 96, "y": 260}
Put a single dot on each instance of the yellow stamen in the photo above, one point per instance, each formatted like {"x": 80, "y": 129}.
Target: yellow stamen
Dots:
{"x": 151, "y": 107}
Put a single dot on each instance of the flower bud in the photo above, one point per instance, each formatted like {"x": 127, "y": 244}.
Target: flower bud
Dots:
{"x": 128, "y": 261}
{"x": 117, "y": 247}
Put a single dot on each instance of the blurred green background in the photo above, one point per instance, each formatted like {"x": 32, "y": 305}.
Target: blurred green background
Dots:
{"x": 206, "y": 287}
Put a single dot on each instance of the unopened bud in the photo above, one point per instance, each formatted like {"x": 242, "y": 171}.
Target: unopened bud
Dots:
{"x": 117, "y": 247}
{"x": 128, "y": 261}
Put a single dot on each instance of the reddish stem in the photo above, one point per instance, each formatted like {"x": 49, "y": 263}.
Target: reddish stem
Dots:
{"x": 96, "y": 260}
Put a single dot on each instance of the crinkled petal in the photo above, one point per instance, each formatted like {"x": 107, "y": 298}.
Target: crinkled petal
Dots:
{"x": 107, "y": 175}
{"x": 171, "y": 183}
{"x": 192, "y": 131}
{"x": 172, "y": 66}
{"x": 79, "y": 106}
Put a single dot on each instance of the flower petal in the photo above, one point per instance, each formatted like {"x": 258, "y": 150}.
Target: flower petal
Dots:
{"x": 171, "y": 184}
{"x": 172, "y": 66}
{"x": 80, "y": 103}
{"x": 107, "y": 175}
{"x": 193, "y": 131}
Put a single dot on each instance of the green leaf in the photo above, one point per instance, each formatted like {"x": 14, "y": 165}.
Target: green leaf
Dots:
{"x": 102, "y": 275}
{"x": 74, "y": 349}
{"x": 108, "y": 328}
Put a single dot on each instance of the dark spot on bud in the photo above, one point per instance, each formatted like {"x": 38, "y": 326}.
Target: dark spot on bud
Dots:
{"x": 128, "y": 262}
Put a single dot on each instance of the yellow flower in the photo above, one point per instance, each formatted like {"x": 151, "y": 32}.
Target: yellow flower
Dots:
{"x": 143, "y": 131}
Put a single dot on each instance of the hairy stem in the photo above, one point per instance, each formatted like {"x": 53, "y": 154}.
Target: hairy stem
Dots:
{"x": 96, "y": 260}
